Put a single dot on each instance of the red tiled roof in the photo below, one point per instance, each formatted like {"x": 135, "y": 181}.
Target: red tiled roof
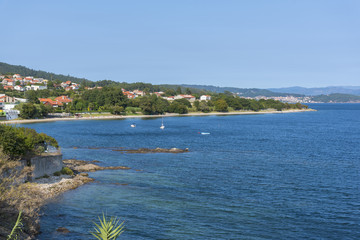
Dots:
{"x": 63, "y": 99}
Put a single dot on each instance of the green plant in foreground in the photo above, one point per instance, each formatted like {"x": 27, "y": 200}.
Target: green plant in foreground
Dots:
{"x": 16, "y": 229}
{"x": 109, "y": 228}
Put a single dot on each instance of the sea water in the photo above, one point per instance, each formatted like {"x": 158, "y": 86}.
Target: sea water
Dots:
{"x": 271, "y": 176}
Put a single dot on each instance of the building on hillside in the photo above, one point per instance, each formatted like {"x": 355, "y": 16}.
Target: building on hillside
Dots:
{"x": 50, "y": 102}
{"x": 159, "y": 94}
{"x": 129, "y": 95}
{"x": 21, "y": 100}
{"x": 6, "y": 99}
{"x": 35, "y": 87}
{"x": 171, "y": 98}
{"x": 205, "y": 98}
{"x": 64, "y": 99}
{"x": 139, "y": 93}
{"x": 19, "y": 88}
{"x": 8, "y": 87}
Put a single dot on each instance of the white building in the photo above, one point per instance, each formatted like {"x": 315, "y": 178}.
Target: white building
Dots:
{"x": 19, "y": 88}
{"x": 191, "y": 98}
{"x": 205, "y": 98}
{"x": 35, "y": 87}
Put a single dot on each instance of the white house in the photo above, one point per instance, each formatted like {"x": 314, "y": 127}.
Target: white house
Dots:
{"x": 19, "y": 88}
{"x": 22, "y": 100}
{"x": 191, "y": 98}
{"x": 205, "y": 98}
{"x": 35, "y": 87}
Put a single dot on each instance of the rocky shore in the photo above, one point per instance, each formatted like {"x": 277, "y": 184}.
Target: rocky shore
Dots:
{"x": 32, "y": 196}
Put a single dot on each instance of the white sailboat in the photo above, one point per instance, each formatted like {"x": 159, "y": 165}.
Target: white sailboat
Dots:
{"x": 162, "y": 123}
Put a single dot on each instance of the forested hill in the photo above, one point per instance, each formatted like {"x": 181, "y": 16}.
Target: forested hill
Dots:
{"x": 245, "y": 92}
{"x": 24, "y": 71}
{"x": 353, "y": 90}
{"x": 336, "y": 98}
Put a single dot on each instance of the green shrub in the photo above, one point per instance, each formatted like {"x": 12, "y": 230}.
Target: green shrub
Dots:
{"x": 58, "y": 173}
{"x": 18, "y": 142}
{"x": 66, "y": 171}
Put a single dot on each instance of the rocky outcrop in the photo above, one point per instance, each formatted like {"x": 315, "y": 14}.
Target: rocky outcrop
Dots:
{"x": 156, "y": 150}
{"x": 88, "y": 166}
{"x": 33, "y": 195}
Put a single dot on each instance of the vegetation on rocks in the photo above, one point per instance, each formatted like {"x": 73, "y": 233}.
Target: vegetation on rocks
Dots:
{"x": 23, "y": 142}
{"x": 67, "y": 171}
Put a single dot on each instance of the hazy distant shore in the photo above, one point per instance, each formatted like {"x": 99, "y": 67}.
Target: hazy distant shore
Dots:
{"x": 154, "y": 116}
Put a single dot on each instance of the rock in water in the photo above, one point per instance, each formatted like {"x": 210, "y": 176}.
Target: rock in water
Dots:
{"x": 62, "y": 230}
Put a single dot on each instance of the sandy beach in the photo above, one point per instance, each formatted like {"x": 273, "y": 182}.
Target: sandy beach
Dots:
{"x": 154, "y": 116}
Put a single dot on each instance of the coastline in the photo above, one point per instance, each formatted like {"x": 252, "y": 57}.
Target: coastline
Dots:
{"x": 34, "y": 195}
{"x": 114, "y": 117}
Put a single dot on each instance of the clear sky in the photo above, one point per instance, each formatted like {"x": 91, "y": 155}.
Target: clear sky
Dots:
{"x": 253, "y": 43}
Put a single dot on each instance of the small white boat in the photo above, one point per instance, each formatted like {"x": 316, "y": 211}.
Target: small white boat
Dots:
{"x": 133, "y": 125}
{"x": 162, "y": 123}
{"x": 204, "y": 133}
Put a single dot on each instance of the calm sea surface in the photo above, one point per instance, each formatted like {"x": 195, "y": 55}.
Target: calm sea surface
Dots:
{"x": 273, "y": 176}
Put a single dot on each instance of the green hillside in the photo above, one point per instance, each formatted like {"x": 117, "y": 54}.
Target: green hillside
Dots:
{"x": 24, "y": 71}
{"x": 243, "y": 92}
{"x": 336, "y": 98}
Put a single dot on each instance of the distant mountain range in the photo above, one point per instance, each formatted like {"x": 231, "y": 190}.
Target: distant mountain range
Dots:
{"x": 245, "y": 92}
{"x": 354, "y": 90}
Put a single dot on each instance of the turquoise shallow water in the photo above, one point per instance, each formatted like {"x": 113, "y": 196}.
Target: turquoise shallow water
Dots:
{"x": 274, "y": 176}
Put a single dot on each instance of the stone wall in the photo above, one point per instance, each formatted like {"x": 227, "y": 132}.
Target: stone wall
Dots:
{"x": 46, "y": 164}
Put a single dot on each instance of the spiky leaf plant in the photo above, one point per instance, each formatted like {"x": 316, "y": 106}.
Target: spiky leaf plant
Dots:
{"x": 16, "y": 229}
{"x": 108, "y": 229}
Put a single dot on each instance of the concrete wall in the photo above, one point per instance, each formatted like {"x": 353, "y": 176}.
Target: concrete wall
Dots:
{"x": 47, "y": 164}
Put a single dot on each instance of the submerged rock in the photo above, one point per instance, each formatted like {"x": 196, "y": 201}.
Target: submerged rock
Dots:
{"x": 156, "y": 150}
{"x": 62, "y": 230}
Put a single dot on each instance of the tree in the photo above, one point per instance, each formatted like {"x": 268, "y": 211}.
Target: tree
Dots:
{"x": 117, "y": 110}
{"x": 31, "y": 96}
{"x": 196, "y": 104}
{"x": 177, "y": 107}
{"x": 28, "y": 111}
{"x": 153, "y": 104}
{"x": 203, "y": 106}
{"x": 178, "y": 90}
{"x": 170, "y": 92}
{"x": 184, "y": 102}
{"x": 221, "y": 105}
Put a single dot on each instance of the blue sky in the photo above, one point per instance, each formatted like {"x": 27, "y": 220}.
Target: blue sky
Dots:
{"x": 254, "y": 43}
